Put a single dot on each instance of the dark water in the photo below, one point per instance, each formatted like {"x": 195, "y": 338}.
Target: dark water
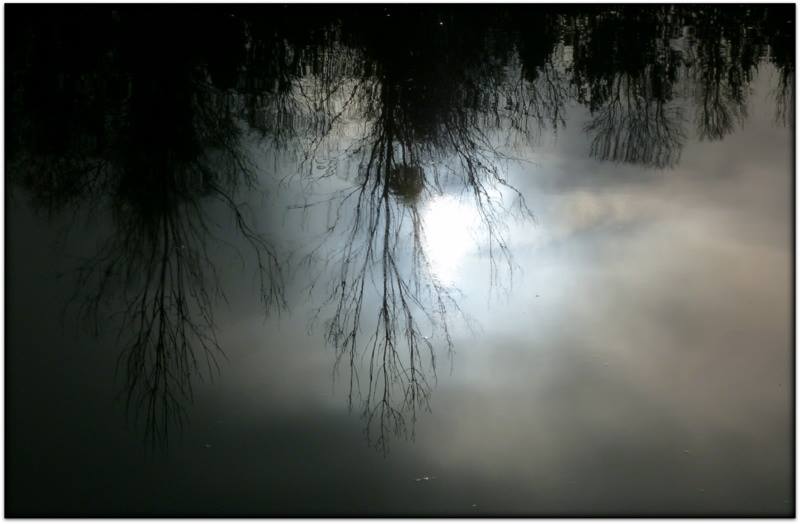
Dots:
{"x": 399, "y": 260}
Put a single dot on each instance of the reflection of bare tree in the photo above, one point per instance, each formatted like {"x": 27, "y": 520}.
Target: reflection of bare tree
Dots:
{"x": 726, "y": 62}
{"x": 169, "y": 145}
{"x": 539, "y": 92}
{"x": 784, "y": 97}
{"x": 629, "y": 88}
{"x": 157, "y": 265}
{"x": 404, "y": 157}
{"x": 531, "y": 102}
{"x": 635, "y": 126}
{"x": 384, "y": 201}
{"x": 719, "y": 109}
{"x": 632, "y": 66}
{"x": 779, "y": 28}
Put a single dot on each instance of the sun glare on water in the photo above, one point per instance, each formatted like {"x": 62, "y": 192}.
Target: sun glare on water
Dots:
{"x": 449, "y": 225}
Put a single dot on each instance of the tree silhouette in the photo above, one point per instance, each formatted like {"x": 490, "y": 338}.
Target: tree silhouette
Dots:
{"x": 421, "y": 137}
{"x": 634, "y": 126}
{"x": 151, "y": 142}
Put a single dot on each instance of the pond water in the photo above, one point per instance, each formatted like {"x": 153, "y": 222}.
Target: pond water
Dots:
{"x": 399, "y": 260}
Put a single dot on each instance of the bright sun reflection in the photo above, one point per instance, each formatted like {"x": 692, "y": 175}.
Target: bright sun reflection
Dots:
{"x": 449, "y": 226}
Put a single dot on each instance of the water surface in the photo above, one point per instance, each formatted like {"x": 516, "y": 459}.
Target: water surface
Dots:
{"x": 399, "y": 260}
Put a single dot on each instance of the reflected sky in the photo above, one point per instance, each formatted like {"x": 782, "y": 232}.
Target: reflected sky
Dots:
{"x": 447, "y": 246}
{"x": 633, "y": 357}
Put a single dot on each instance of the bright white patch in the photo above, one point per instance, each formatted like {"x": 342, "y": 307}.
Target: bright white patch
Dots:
{"x": 449, "y": 226}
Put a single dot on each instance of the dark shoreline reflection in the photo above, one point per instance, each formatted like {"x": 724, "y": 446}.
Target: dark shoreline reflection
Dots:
{"x": 440, "y": 97}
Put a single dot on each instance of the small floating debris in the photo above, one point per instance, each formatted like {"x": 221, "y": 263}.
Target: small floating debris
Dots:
{"x": 420, "y": 479}
{"x": 207, "y": 446}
